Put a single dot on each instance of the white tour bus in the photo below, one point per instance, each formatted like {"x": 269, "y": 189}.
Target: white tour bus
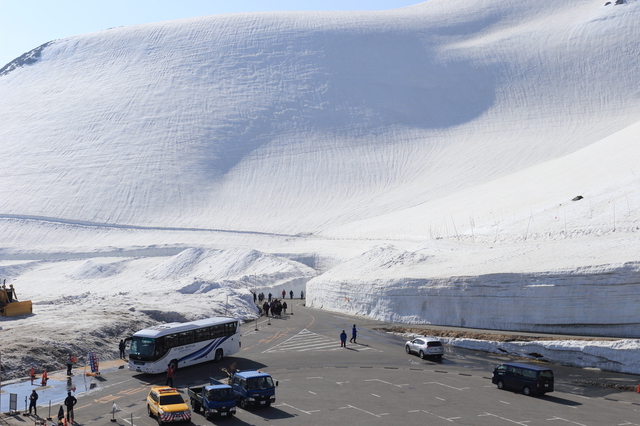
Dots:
{"x": 183, "y": 344}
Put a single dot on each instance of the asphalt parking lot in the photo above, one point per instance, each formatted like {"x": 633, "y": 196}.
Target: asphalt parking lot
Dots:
{"x": 373, "y": 382}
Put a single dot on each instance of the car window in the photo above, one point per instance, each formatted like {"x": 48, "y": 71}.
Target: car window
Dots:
{"x": 546, "y": 374}
{"x": 171, "y": 399}
{"x": 435, "y": 343}
{"x": 418, "y": 342}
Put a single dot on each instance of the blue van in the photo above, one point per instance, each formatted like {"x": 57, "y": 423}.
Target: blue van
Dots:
{"x": 530, "y": 379}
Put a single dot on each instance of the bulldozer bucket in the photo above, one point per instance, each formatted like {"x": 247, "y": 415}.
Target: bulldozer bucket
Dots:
{"x": 17, "y": 308}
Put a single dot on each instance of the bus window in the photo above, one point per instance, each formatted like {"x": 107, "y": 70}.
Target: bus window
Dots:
{"x": 185, "y": 338}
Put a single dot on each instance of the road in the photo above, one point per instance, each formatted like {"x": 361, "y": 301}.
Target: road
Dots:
{"x": 373, "y": 382}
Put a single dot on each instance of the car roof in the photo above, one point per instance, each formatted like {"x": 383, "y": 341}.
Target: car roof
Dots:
{"x": 164, "y": 390}
{"x": 249, "y": 374}
{"x": 528, "y": 366}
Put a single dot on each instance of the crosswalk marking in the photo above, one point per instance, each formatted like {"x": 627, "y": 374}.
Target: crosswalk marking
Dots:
{"x": 309, "y": 341}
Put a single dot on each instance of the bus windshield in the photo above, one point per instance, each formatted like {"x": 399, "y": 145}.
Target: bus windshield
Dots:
{"x": 142, "y": 348}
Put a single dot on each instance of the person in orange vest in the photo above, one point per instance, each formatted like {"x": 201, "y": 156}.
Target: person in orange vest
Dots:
{"x": 44, "y": 378}
{"x": 171, "y": 372}
{"x": 32, "y": 374}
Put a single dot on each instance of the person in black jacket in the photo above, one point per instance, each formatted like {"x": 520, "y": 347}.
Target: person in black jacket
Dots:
{"x": 70, "y": 401}
{"x": 33, "y": 399}
{"x": 122, "y": 346}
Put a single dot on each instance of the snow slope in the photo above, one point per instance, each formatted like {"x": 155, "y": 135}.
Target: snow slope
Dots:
{"x": 429, "y": 151}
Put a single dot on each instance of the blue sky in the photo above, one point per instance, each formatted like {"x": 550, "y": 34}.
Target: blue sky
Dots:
{"x": 26, "y": 24}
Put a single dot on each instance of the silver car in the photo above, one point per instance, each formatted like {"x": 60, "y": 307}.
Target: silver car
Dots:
{"x": 425, "y": 347}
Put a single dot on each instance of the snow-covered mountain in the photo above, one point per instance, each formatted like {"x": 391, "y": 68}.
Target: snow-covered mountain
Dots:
{"x": 453, "y": 162}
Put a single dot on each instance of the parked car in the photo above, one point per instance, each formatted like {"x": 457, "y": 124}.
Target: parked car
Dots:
{"x": 425, "y": 347}
{"x": 530, "y": 379}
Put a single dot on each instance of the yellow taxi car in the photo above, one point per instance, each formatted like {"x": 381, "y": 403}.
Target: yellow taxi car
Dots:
{"x": 167, "y": 405}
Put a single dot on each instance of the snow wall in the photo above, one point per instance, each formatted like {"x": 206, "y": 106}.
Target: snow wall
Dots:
{"x": 596, "y": 301}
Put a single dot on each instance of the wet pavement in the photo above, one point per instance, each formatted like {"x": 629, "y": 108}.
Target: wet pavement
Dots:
{"x": 51, "y": 395}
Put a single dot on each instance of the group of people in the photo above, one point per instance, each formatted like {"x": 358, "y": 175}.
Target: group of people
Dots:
{"x": 276, "y": 307}
{"x": 260, "y": 297}
{"x": 70, "y": 401}
{"x": 343, "y": 337}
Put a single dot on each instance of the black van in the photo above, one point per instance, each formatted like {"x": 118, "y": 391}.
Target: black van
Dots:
{"x": 531, "y": 379}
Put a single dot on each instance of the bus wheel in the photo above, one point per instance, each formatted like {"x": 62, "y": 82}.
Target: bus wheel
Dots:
{"x": 219, "y": 355}
{"x": 174, "y": 365}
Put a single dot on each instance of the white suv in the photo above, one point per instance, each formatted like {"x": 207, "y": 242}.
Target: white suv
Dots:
{"x": 425, "y": 347}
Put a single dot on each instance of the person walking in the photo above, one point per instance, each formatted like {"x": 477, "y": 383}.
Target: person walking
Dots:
{"x": 122, "y": 346}
{"x": 284, "y": 294}
{"x": 291, "y": 294}
{"x": 171, "y": 372}
{"x": 354, "y": 334}
{"x": 70, "y": 401}
{"x": 284, "y": 307}
{"x": 343, "y": 339}
{"x": 301, "y": 294}
{"x": 265, "y": 308}
{"x": 33, "y": 399}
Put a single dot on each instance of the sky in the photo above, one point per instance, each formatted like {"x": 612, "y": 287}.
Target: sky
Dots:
{"x": 25, "y": 25}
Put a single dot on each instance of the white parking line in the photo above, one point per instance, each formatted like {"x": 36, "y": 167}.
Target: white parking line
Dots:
{"x": 522, "y": 422}
{"x": 296, "y": 408}
{"x": 442, "y": 384}
{"x": 386, "y": 383}
{"x": 565, "y": 420}
{"x": 364, "y": 411}
{"x": 449, "y": 419}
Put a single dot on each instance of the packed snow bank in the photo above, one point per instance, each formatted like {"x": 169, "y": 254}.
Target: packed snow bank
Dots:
{"x": 404, "y": 286}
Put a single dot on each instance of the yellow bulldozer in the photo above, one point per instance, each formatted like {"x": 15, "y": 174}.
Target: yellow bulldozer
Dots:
{"x": 9, "y": 304}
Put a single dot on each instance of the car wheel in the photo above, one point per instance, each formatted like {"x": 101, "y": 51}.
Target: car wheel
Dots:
{"x": 526, "y": 390}
{"x": 421, "y": 355}
{"x": 219, "y": 355}
{"x": 500, "y": 384}
{"x": 406, "y": 348}
{"x": 159, "y": 421}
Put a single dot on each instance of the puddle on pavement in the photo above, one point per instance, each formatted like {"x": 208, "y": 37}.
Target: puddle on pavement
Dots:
{"x": 53, "y": 393}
